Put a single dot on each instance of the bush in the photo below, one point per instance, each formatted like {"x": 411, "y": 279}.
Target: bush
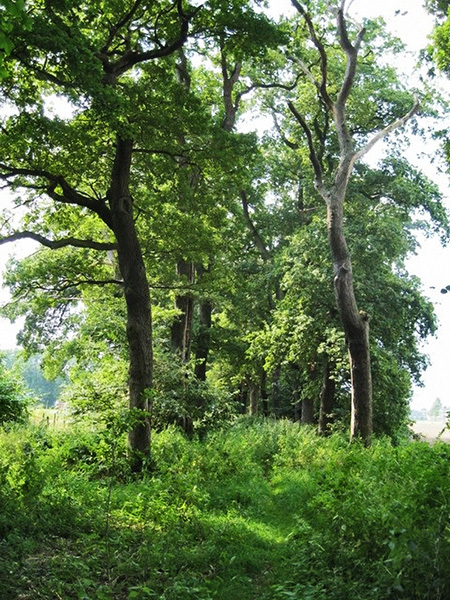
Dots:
{"x": 179, "y": 398}
{"x": 14, "y": 400}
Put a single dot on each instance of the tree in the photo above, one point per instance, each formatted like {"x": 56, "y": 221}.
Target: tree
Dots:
{"x": 92, "y": 62}
{"x": 14, "y": 401}
{"x": 332, "y": 180}
{"x": 436, "y": 410}
{"x": 46, "y": 391}
{"x": 117, "y": 69}
{"x": 12, "y": 16}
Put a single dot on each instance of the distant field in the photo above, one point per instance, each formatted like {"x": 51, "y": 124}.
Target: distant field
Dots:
{"x": 51, "y": 417}
{"x": 430, "y": 430}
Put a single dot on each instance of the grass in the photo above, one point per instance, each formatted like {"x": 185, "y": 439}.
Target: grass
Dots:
{"x": 263, "y": 510}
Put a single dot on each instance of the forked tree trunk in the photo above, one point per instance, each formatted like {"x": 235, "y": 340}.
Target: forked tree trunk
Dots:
{"x": 355, "y": 324}
{"x": 137, "y": 297}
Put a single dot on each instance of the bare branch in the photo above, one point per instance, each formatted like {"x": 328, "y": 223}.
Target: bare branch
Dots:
{"x": 312, "y": 151}
{"x": 384, "y": 132}
{"x": 306, "y": 71}
{"x": 323, "y": 55}
{"x": 352, "y": 55}
{"x": 289, "y": 144}
{"x": 55, "y": 244}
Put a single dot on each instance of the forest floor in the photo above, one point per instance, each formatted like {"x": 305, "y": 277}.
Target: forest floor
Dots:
{"x": 260, "y": 510}
{"x": 432, "y": 430}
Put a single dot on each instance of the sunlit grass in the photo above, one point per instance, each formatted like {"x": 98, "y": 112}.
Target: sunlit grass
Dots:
{"x": 263, "y": 510}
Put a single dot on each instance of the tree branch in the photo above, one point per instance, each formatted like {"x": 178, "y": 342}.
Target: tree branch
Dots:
{"x": 322, "y": 87}
{"x": 66, "y": 284}
{"x": 255, "y": 233}
{"x": 55, "y": 244}
{"x": 132, "y": 58}
{"x": 351, "y": 52}
{"x": 289, "y": 144}
{"x": 69, "y": 194}
{"x": 384, "y": 132}
{"x": 121, "y": 23}
{"x": 312, "y": 151}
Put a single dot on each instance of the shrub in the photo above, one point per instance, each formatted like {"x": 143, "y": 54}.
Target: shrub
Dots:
{"x": 14, "y": 400}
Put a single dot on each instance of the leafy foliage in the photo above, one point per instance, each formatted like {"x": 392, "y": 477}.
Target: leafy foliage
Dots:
{"x": 14, "y": 399}
{"x": 261, "y": 509}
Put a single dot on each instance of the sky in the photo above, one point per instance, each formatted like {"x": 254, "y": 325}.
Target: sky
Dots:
{"x": 408, "y": 20}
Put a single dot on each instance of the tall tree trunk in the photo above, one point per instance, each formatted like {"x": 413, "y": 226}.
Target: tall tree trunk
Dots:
{"x": 297, "y": 406}
{"x": 264, "y": 395}
{"x": 188, "y": 178}
{"x": 308, "y": 411}
{"x": 253, "y": 398}
{"x": 137, "y": 297}
{"x": 326, "y": 398}
{"x": 203, "y": 340}
{"x": 355, "y": 324}
{"x": 181, "y": 333}
{"x": 276, "y": 391}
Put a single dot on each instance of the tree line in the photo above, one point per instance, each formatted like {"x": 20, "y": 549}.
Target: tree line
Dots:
{"x": 189, "y": 265}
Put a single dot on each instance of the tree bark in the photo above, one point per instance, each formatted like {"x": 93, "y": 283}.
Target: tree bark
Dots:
{"x": 275, "y": 396}
{"x": 355, "y": 324}
{"x": 326, "y": 398}
{"x": 203, "y": 340}
{"x": 297, "y": 406}
{"x": 253, "y": 398}
{"x": 308, "y": 411}
{"x": 137, "y": 297}
{"x": 181, "y": 333}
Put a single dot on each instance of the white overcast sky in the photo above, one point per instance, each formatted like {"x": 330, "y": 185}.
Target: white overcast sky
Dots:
{"x": 408, "y": 20}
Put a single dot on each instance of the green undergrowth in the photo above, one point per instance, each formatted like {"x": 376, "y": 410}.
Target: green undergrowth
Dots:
{"x": 263, "y": 510}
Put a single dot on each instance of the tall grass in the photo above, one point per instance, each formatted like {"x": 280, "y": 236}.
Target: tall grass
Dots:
{"x": 263, "y": 510}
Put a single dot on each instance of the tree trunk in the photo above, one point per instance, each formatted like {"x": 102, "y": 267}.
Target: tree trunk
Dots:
{"x": 242, "y": 398}
{"x": 297, "y": 406}
{"x": 264, "y": 395}
{"x": 355, "y": 324}
{"x": 137, "y": 297}
{"x": 253, "y": 398}
{"x": 203, "y": 340}
{"x": 308, "y": 411}
{"x": 326, "y": 399}
{"x": 181, "y": 333}
{"x": 276, "y": 391}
